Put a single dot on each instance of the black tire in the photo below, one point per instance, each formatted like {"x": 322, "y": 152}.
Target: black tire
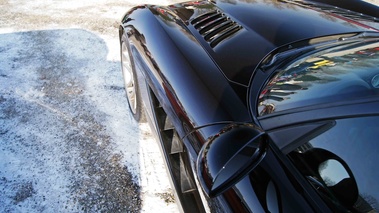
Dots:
{"x": 132, "y": 88}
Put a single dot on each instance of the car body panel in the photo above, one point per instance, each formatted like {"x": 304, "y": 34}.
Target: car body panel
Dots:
{"x": 254, "y": 40}
{"x": 205, "y": 81}
{"x": 363, "y": 7}
{"x": 210, "y": 69}
{"x": 167, "y": 76}
{"x": 337, "y": 73}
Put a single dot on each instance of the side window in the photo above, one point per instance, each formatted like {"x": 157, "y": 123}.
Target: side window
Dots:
{"x": 342, "y": 164}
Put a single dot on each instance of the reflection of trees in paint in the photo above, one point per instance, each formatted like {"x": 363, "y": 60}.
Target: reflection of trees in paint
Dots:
{"x": 326, "y": 75}
{"x": 367, "y": 203}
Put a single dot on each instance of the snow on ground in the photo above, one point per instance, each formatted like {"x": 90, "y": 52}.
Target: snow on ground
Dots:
{"x": 67, "y": 140}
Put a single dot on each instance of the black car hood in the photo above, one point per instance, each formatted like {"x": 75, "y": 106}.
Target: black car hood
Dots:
{"x": 254, "y": 28}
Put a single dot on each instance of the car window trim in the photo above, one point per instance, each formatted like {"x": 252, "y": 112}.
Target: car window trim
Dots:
{"x": 353, "y": 108}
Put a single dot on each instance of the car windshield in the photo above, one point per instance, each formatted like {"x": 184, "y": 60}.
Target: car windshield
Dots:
{"x": 338, "y": 74}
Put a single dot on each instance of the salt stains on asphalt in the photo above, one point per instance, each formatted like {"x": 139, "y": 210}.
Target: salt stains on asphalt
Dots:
{"x": 67, "y": 140}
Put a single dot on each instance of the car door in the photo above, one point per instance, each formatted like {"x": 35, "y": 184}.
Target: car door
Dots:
{"x": 338, "y": 158}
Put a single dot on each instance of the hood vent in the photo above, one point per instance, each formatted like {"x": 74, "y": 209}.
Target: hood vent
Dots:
{"x": 215, "y": 27}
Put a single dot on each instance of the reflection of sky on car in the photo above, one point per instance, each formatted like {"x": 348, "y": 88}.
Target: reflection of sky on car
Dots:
{"x": 337, "y": 74}
{"x": 332, "y": 172}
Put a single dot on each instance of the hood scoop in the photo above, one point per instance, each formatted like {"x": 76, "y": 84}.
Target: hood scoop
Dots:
{"x": 215, "y": 27}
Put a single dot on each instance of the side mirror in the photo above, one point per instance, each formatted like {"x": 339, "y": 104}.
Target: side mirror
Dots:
{"x": 229, "y": 156}
{"x": 333, "y": 177}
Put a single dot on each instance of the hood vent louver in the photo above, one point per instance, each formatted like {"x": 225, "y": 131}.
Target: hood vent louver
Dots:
{"x": 215, "y": 27}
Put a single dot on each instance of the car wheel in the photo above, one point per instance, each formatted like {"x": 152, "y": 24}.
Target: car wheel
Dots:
{"x": 131, "y": 81}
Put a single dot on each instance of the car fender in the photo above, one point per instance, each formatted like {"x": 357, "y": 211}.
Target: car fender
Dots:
{"x": 180, "y": 73}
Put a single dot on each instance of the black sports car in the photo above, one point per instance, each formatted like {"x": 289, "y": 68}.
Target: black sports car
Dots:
{"x": 260, "y": 105}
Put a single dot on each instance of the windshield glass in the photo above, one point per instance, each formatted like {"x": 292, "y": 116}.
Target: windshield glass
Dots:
{"x": 340, "y": 73}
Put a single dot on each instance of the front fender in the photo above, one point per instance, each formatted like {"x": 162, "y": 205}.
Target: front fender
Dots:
{"x": 184, "y": 78}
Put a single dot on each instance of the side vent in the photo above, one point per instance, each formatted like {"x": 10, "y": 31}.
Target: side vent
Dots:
{"x": 215, "y": 27}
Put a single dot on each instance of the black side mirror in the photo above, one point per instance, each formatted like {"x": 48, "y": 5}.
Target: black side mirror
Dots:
{"x": 332, "y": 177}
{"x": 229, "y": 156}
